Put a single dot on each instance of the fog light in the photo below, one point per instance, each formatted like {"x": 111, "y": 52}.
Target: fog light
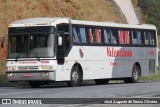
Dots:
{"x": 10, "y": 75}
{"x": 45, "y": 74}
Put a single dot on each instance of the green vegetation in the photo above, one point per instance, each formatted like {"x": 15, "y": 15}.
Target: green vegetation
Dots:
{"x": 3, "y": 80}
{"x": 152, "y": 78}
{"x": 151, "y": 10}
{"x": 135, "y": 3}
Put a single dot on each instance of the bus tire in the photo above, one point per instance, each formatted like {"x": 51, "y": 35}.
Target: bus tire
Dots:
{"x": 101, "y": 81}
{"x": 75, "y": 77}
{"x": 34, "y": 84}
{"x": 135, "y": 75}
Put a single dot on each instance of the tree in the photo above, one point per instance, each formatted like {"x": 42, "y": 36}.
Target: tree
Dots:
{"x": 152, "y": 10}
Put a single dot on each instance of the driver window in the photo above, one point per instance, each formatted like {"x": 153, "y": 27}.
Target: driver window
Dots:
{"x": 64, "y": 28}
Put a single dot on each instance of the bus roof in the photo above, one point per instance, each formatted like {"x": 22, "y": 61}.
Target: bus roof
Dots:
{"x": 33, "y": 22}
{"x": 51, "y": 21}
{"x": 112, "y": 24}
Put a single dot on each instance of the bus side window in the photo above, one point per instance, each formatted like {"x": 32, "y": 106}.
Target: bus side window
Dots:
{"x": 83, "y": 35}
{"x": 98, "y": 36}
{"x": 94, "y": 35}
{"x": 121, "y": 36}
{"x": 114, "y": 36}
{"x": 106, "y": 37}
{"x": 146, "y": 41}
{"x": 134, "y": 37}
{"x": 149, "y": 38}
{"x": 152, "y": 38}
{"x": 75, "y": 35}
{"x": 126, "y": 37}
{"x": 90, "y": 36}
{"x": 65, "y": 28}
{"x": 139, "y": 37}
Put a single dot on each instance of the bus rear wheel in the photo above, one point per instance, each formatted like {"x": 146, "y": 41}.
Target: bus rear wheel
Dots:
{"x": 75, "y": 77}
{"x": 34, "y": 84}
{"x": 135, "y": 75}
{"x": 101, "y": 81}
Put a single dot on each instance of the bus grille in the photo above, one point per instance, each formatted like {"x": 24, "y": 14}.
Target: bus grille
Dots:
{"x": 28, "y": 68}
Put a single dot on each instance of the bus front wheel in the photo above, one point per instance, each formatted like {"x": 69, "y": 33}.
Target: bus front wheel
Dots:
{"x": 135, "y": 75}
{"x": 75, "y": 77}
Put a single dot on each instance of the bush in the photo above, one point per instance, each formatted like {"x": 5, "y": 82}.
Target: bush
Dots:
{"x": 135, "y": 2}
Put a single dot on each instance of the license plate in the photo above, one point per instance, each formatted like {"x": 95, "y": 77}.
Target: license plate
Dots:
{"x": 27, "y": 75}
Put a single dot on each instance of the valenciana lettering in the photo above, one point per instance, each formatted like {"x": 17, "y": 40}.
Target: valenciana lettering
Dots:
{"x": 111, "y": 52}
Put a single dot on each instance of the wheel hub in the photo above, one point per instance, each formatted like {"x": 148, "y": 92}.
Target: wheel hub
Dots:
{"x": 135, "y": 74}
{"x": 75, "y": 76}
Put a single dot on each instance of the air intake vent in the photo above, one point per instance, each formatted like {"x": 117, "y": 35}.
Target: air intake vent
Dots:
{"x": 152, "y": 65}
{"x": 28, "y": 68}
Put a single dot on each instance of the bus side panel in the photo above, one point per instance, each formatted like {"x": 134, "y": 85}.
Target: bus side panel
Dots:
{"x": 93, "y": 61}
{"x": 63, "y": 71}
{"x": 146, "y": 58}
{"x": 97, "y": 64}
{"x": 151, "y": 59}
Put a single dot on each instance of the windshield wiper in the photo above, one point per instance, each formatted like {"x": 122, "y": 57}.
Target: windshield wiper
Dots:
{"x": 37, "y": 56}
{"x": 16, "y": 59}
{"x": 18, "y": 56}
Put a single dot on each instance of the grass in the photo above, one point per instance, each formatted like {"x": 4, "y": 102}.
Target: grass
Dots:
{"x": 152, "y": 78}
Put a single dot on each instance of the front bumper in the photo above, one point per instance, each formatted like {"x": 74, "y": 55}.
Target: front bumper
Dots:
{"x": 14, "y": 76}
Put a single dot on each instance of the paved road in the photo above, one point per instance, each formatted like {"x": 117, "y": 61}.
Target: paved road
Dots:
{"x": 118, "y": 90}
{"x": 149, "y": 89}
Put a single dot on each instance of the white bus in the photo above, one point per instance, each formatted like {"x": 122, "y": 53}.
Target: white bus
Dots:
{"x": 44, "y": 50}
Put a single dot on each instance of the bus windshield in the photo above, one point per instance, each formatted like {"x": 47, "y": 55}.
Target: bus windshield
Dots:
{"x": 31, "y": 46}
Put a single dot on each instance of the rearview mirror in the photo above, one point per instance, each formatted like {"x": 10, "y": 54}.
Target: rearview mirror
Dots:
{"x": 2, "y": 42}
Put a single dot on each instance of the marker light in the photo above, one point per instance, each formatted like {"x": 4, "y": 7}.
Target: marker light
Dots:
{"x": 46, "y": 67}
{"x": 45, "y": 74}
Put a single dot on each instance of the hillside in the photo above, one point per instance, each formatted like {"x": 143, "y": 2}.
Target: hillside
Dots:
{"x": 97, "y": 10}
{"x": 12, "y": 10}
{"x": 148, "y": 12}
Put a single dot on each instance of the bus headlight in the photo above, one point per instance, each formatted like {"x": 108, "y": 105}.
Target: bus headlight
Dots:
{"x": 10, "y": 75}
{"x": 10, "y": 68}
{"x": 46, "y": 67}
